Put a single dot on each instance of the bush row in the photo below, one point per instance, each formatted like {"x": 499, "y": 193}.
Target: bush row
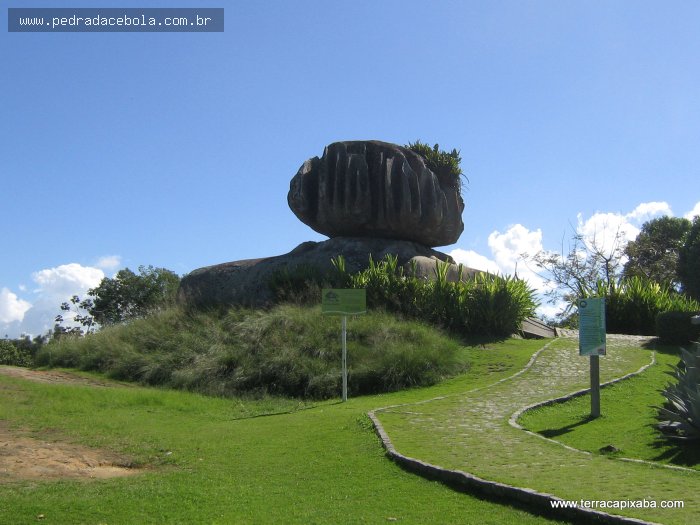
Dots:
{"x": 483, "y": 305}
{"x": 633, "y": 305}
{"x": 675, "y": 328}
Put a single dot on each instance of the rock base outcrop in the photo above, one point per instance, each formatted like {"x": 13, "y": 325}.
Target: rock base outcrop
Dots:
{"x": 245, "y": 282}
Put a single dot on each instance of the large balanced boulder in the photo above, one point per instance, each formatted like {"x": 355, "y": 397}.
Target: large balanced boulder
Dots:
{"x": 376, "y": 189}
{"x": 246, "y": 282}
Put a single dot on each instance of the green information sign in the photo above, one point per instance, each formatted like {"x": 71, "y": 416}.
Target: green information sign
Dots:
{"x": 343, "y": 301}
{"x": 591, "y": 332}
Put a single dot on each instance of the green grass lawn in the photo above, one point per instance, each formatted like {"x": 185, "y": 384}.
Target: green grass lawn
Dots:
{"x": 211, "y": 460}
{"x": 470, "y": 432}
{"x": 626, "y": 426}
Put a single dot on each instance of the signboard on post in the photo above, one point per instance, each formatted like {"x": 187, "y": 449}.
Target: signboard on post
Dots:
{"x": 344, "y": 301}
{"x": 591, "y": 334}
{"x": 591, "y": 342}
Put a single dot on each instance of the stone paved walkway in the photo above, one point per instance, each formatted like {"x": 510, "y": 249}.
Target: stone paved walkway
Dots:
{"x": 470, "y": 432}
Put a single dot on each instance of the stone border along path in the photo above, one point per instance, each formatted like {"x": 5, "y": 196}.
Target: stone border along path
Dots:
{"x": 475, "y": 440}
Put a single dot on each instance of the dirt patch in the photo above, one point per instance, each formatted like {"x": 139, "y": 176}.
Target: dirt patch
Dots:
{"x": 54, "y": 376}
{"x": 24, "y": 457}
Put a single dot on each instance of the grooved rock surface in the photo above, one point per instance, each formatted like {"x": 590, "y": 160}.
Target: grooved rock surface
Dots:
{"x": 245, "y": 282}
{"x": 376, "y": 189}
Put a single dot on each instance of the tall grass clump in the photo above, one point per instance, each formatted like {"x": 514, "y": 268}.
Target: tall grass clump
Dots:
{"x": 481, "y": 305}
{"x": 289, "y": 350}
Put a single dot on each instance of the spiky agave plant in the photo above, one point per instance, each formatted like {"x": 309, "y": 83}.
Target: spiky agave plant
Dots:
{"x": 679, "y": 418}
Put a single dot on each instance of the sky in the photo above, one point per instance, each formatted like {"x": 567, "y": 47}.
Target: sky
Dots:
{"x": 176, "y": 149}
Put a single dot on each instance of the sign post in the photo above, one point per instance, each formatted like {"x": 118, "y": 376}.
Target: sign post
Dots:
{"x": 592, "y": 342}
{"x": 344, "y": 301}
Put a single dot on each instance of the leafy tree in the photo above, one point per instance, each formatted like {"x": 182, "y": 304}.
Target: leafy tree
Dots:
{"x": 654, "y": 253}
{"x": 80, "y": 310}
{"x": 689, "y": 261}
{"x": 588, "y": 268}
{"x": 129, "y": 295}
{"x": 11, "y": 355}
{"x": 126, "y": 296}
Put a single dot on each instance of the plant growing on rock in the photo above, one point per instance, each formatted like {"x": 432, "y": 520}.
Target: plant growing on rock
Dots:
{"x": 445, "y": 165}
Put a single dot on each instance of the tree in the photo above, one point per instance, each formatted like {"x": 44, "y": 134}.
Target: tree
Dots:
{"x": 689, "y": 261}
{"x": 125, "y": 297}
{"x": 654, "y": 253}
{"x": 129, "y": 295}
{"x": 589, "y": 266}
{"x": 80, "y": 310}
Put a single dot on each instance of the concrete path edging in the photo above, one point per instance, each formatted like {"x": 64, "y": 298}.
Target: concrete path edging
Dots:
{"x": 469, "y": 483}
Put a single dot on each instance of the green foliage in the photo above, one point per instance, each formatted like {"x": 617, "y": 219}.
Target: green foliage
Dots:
{"x": 131, "y": 296}
{"x": 289, "y": 350}
{"x": 654, "y": 253}
{"x": 484, "y": 305}
{"x": 11, "y": 355}
{"x": 445, "y": 165}
{"x": 633, "y": 304}
{"x": 689, "y": 261}
{"x": 675, "y": 328}
{"x": 680, "y": 416}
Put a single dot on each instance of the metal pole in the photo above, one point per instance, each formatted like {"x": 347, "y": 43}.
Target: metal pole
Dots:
{"x": 595, "y": 386}
{"x": 345, "y": 359}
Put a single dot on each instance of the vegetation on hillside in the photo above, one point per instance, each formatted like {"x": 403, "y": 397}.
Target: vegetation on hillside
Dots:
{"x": 287, "y": 350}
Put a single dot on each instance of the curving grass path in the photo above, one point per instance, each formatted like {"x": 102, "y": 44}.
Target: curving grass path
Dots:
{"x": 470, "y": 432}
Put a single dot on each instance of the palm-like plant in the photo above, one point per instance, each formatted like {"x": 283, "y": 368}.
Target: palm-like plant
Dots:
{"x": 679, "y": 418}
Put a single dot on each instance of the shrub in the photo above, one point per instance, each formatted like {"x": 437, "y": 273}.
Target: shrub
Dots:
{"x": 680, "y": 416}
{"x": 675, "y": 327}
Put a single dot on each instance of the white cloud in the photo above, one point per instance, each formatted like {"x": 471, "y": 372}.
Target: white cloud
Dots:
{"x": 508, "y": 248}
{"x": 649, "y": 210}
{"x": 68, "y": 279}
{"x": 109, "y": 262}
{"x": 53, "y": 287}
{"x": 471, "y": 259}
{"x": 694, "y": 212}
{"x": 610, "y": 230}
{"x": 12, "y": 308}
{"x": 606, "y": 231}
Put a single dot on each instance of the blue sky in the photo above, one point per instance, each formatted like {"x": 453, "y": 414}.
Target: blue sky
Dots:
{"x": 176, "y": 149}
